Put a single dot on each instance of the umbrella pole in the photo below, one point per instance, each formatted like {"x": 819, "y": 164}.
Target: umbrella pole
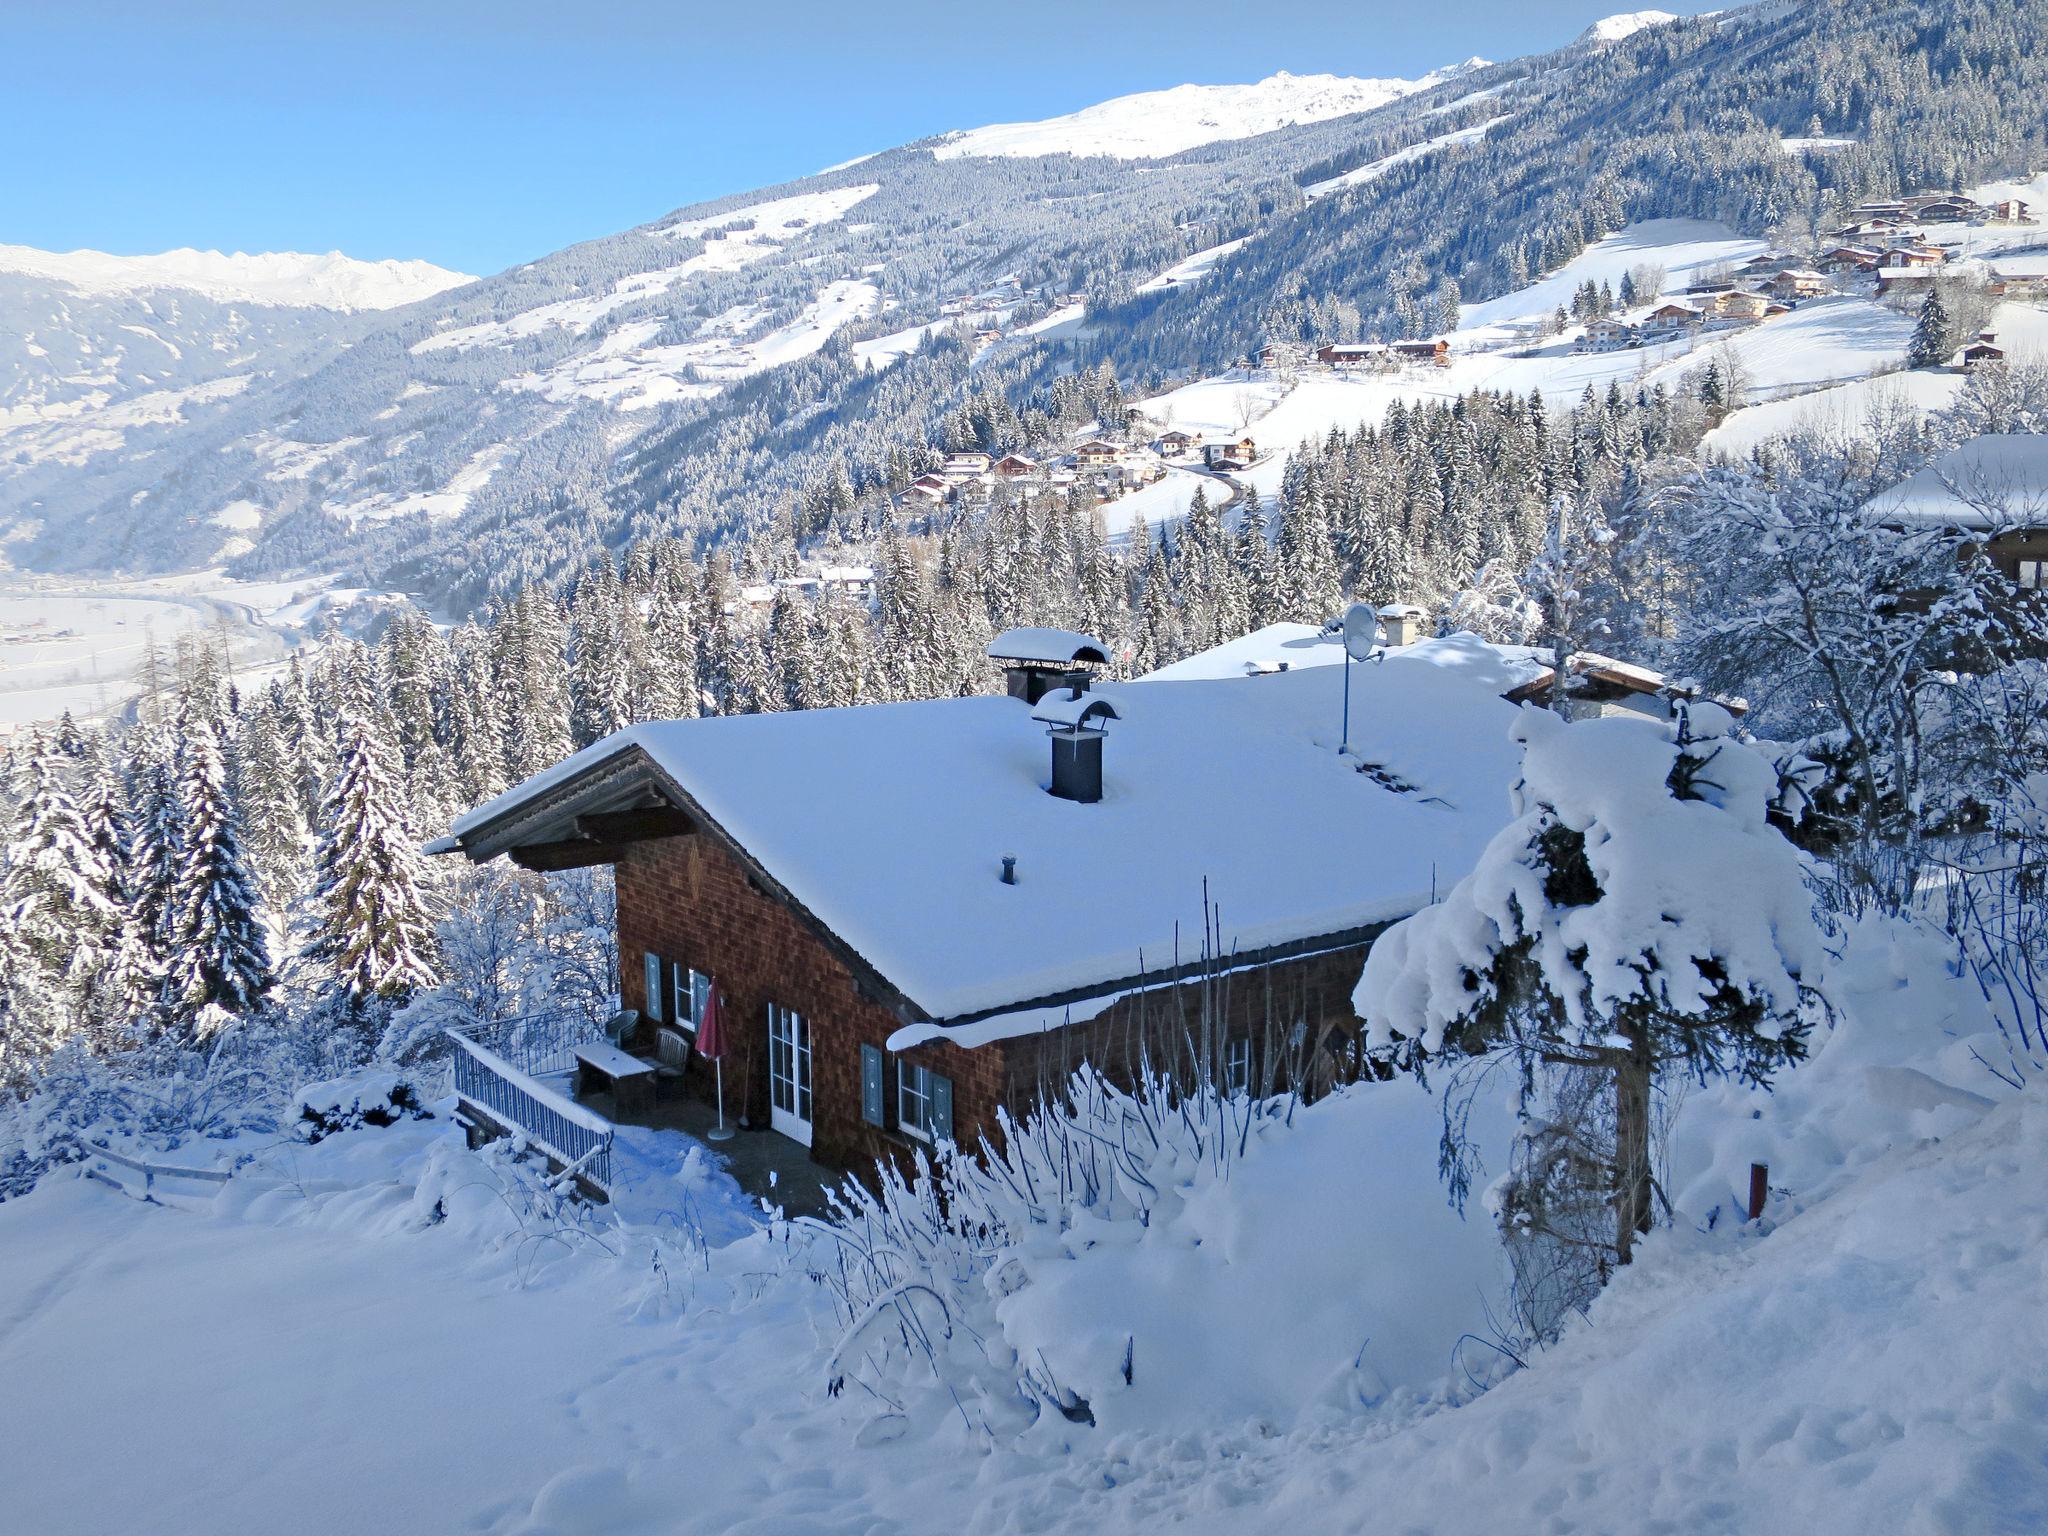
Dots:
{"x": 720, "y": 1133}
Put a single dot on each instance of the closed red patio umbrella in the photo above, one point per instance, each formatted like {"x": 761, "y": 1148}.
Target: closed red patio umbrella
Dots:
{"x": 711, "y": 1044}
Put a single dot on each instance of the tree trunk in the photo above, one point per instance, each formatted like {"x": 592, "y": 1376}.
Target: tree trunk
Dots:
{"x": 1632, "y": 1188}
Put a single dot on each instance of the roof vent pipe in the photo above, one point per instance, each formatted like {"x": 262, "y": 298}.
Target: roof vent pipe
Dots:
{"x": 1009, "y": 875}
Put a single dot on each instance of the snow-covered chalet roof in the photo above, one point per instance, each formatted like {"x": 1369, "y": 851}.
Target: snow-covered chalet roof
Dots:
{"x": 887, "y": 824}
{"x": 1998, "y": 480}
{"x": 1277, "y": 647}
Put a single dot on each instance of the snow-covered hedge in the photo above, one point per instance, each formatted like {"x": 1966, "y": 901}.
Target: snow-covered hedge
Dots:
{"x": 1144, "y": 1261}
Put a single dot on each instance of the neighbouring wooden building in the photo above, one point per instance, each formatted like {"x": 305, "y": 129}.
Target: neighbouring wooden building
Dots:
{"x": 1994, "y": 486}
{"x": 920, "y": 915}
{"x": 1435, "y": 352}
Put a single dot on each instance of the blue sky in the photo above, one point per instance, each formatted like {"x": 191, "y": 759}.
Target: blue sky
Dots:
{"x": 479, "y": 134}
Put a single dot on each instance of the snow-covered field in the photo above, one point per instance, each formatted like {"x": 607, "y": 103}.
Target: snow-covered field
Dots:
{"x": 1192, "y": 269}
{"x": 76, "y": 644}
{"x": 629, "y": 373}
{"x": 1838, "y": 413}
{"x": 1372, "y": 171}
{"x": 1684, "y": 248}
{"x": 72, "y": 431}
{"x": 378, "y": 1332}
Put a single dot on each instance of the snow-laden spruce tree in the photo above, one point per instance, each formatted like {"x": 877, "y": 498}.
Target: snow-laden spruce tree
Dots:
{"x": 372, "y": 929}
{"x": 1639, "y": 914}
{"x": 1933, "y": 334}
{"x": 217, "y": 967}
{"x": 62, "y": 925}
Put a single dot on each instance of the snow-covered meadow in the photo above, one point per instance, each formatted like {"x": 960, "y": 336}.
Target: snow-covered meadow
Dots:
{"x": 385, "y": 1328}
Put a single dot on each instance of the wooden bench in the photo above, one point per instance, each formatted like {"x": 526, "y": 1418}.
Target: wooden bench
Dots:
{"x": 631, "y": 1079}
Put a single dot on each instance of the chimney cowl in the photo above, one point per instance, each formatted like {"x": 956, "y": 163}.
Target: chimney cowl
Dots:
{"x": 1036, "y": 660}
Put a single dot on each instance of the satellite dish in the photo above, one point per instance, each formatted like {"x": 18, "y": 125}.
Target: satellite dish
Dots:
{"x": 1362, "y": 633}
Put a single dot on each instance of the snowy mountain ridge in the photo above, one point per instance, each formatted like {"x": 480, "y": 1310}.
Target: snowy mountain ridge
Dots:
{"x": 1151, "y": 124}
{"x": 1612, "y": 29}
{"x": 288, "y": 279}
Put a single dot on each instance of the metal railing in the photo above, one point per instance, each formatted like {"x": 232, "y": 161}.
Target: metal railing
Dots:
{"x": 538, "y": 1044}
{"x": 497, "y": 1066}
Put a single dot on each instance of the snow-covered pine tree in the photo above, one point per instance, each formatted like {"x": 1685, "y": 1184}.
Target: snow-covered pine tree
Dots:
{"x": 1252, "y": 551}
{"x": 371, "y": 936}
{"x": 667, "y": 687}
{"x": 55, "y": 884}
{"x": 1933, "y": 340}
{"x": 218, "y": 969}
{"x": 477, "y": 728}
{"x": 268, "y": 793}
{"x": 600, "y": 680}
{"x": 1570, "y": 945}
{"x": 1562, "y": 580}
{"x": 792, "y": 650}
{"x": 1306, "y": 560}
{"x": 158, "y": 831}
{"x": 530, "y": 667}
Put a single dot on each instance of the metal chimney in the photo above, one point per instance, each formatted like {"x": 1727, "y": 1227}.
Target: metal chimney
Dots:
{"x": 1073, "y": 720}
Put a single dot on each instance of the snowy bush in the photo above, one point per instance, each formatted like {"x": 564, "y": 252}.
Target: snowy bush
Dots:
{"x": 349, "y": 1104}
{"x": 1148, "y": 1260}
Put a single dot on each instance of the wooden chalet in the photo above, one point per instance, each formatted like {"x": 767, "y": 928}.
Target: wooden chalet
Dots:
{"x": 1737, "y": 304}
{"x": 1355, "y": 354}
{"x": 1984, "y": 349}
{"x": 1098, "y": 454}
{"x": 918, "y": 916}
{"x": 1796, "y": 283}
{"x": 1906, "y": 258}
{"x": 1436, "y": 352}
{"x": 1994, "y": 486}
{"x": 1600, "y": 685}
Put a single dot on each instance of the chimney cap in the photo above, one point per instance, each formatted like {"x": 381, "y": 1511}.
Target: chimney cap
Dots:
{"x": 1048, "y": 648}
{"x": 1069, "y": 709}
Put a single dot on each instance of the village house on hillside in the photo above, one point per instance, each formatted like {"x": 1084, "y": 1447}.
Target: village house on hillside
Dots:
{"x": 1995, "y": 485}
{"x": 917, "y": 915}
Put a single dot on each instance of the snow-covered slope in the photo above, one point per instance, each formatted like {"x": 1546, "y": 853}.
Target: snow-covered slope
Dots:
{"x": 289, "y": 278}
{"x": 1612, "y": 29}
{"x": 1154, "y": 123}
{"x": 410, "y": 1336}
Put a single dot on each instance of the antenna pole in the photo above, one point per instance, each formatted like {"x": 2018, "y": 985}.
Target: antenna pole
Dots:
{"x": 1345, "y": 745}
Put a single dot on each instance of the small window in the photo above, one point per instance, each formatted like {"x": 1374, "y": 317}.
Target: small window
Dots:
{"x": 1237, "y": 1066}
{"x": 692, "y": 993}
{"x": 924, "y": 1103}
{"x": 654, "y": 987}
{"x": 2033, "y": 575}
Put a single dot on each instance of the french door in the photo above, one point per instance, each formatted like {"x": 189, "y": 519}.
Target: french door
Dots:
{"x": 789, "y": 1073}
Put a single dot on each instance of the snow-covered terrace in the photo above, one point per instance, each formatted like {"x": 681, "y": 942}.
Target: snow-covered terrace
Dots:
{"x": 888, "y": 824}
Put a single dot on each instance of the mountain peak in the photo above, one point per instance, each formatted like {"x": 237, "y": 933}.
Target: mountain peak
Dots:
{"x": 288, "y": 279}
{"x": 1612, "y": 29}
{"x": 1151, "y": 124}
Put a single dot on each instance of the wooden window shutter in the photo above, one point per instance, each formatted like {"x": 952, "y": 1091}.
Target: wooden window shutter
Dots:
{"x": 871, "y": 1084}
{"x": 942, "y": 1106}
{"x": 654, "y": 988}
